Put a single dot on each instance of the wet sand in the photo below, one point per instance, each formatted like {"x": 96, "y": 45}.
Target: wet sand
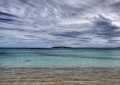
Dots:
{"x": 42, "y": 76}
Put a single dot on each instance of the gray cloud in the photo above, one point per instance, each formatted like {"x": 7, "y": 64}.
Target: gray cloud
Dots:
{"x": 46, "y": 23}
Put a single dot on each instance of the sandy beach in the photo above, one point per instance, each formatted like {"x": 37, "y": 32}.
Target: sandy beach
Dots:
{"x": 47, "y": 76}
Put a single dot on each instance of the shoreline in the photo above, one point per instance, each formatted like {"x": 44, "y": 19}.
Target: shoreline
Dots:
{"x": 60, "y": 76}
{"x": 58, "y": 67}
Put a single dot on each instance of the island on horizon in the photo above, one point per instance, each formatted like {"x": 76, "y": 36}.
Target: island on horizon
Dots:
{"x": 61, "y": 47}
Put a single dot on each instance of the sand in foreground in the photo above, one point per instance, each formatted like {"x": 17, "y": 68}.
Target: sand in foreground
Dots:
{"x": 83, "y": 76}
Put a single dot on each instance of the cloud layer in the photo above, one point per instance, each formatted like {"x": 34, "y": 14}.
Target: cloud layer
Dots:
{"x": 46, "y": 23}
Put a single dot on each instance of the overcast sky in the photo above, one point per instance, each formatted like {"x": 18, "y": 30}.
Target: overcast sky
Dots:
{"x": 46, "y": 23}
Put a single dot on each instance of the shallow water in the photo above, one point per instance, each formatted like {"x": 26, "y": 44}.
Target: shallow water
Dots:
{"x": 58, "y": 58}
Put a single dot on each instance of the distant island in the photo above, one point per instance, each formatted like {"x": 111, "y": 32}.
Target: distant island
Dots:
{"x": 61, "y": 47}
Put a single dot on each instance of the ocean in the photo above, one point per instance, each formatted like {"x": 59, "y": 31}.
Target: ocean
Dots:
{"x": 59, "y": 58}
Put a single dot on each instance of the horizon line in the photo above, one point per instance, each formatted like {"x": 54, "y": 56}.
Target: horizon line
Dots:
{"x": 62, "y": 48}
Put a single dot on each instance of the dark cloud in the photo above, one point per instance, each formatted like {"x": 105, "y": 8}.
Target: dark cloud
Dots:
{"x": 1, "y": 37}
{"x": 12, "y": 29}
{"x": 73, "y": 34}
{"x": 27, "y": 2}
{"x": 104, "y": 28}
{"x": 116, "y": 6}
{"x": 6, "y": 20}
{"x": 6, "y": 14}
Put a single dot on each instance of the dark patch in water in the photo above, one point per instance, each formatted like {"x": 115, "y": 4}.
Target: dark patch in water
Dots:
{"x": 77, "y": 56}
{"x": 3, "y": 53}
{"x": 100, "y": 58}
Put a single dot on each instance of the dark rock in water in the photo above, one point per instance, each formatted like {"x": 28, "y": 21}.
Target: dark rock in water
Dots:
{"x": 27, "y": 60}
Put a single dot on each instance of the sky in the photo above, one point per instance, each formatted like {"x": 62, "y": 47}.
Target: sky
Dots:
{"x": 47, "y": 23}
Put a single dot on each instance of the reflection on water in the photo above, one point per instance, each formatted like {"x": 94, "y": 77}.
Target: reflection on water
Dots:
{"x": 58, "y": 58}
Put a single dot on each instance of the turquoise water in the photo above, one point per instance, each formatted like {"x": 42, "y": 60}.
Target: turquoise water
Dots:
{"x": 58, "y": 58}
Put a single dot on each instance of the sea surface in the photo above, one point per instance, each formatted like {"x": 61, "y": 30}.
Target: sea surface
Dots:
{"x": 59, "y": 58}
